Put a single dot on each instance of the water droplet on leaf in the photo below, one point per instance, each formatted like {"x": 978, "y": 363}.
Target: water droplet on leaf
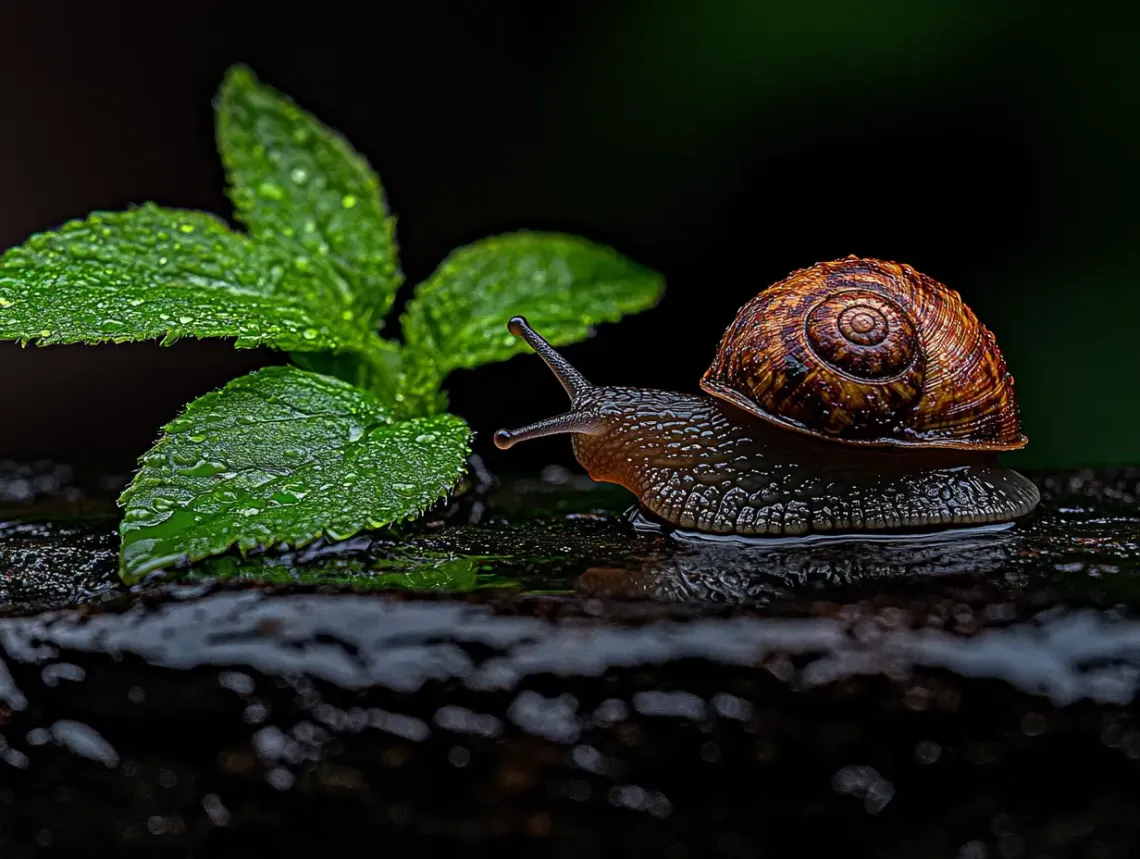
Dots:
{"x": 271, "y": 191}
{"x": 206, "y": 469}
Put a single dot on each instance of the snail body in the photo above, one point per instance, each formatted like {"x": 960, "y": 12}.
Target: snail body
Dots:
{"x": 855, "y": 395}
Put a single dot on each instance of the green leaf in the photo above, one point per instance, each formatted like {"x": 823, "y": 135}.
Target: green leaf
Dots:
{"x": 302, "y": 187}
{"x": 563, "y": 284}
{"x": 282, "y": 456}
{"x": 397, "y": 376}
{"x": 150, "y": 272}
{"x": 421, "y": 375}
{"x": 375, "y": 367}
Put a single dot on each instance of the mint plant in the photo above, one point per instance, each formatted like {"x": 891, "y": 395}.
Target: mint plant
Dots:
{"x": 356, "y": 434}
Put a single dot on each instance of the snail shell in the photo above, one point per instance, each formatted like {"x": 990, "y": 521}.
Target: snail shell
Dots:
{"x": 868, "y": 352}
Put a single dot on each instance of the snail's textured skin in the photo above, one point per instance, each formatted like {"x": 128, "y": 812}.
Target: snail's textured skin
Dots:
{"x": 699, "y": 463}
{"x": 869, "y": 353}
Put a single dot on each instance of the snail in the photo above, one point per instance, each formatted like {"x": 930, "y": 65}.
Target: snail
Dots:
{"x": 853, "y": 396}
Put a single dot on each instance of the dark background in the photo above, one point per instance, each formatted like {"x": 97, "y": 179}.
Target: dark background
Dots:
{"x": 990, "y": 145}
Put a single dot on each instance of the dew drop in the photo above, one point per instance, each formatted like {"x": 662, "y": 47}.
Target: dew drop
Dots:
{"x": 427, "y": 437}
{"x": 271, "y": 191}
{"x": 184, "y": 457}
{"x": 348, "y": 201}
{"x": 310, "y": 333}
{"x": 206, "y": 469}
{"x": 299, "y": 175}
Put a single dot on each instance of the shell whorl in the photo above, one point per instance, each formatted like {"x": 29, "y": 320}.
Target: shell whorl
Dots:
{"x": 862, "y": 334}
{"x": 868, "y": 352}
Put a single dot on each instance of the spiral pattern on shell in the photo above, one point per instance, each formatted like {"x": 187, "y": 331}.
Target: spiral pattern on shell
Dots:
{"x": 861, "y": 334}
{"x": 868, "y": 352}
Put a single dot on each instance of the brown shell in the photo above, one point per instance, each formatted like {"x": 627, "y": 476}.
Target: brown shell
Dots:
{"x": 868, "y": 352}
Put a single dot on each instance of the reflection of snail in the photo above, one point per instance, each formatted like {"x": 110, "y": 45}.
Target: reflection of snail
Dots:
{"x": 855, "y": 395}
{"x": 814, "y": 568}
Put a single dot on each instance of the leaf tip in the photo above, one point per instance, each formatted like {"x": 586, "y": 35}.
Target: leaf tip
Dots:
{"x": 239, "y": 75}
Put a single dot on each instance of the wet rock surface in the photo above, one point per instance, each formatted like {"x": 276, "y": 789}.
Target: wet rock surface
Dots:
{"x": 527, "y": 673}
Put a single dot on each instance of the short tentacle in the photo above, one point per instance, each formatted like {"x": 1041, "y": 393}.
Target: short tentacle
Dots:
{"x": 569, "y": 422}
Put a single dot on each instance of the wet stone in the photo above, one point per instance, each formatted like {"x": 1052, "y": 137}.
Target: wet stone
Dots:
{"x": 526, "y": 672}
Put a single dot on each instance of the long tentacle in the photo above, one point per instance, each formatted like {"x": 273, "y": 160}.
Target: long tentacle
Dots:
{"x": 573, "y": 381}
